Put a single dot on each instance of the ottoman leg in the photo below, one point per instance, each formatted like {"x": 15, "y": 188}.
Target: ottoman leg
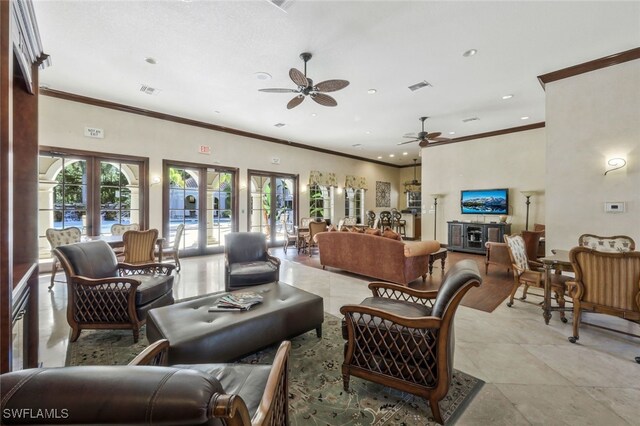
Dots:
{"x": 319, "y": 331}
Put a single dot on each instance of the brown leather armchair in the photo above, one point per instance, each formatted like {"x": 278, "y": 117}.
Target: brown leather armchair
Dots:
{"x": 247, "y": 261}
{"x": 137, "y": 394}
{"x": 103, "y": 293}
{"x": 403, "y": 338}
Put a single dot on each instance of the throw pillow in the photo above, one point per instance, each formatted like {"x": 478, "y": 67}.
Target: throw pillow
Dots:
{"x": 372, "y": 231}
{"x": 389, "y": 233}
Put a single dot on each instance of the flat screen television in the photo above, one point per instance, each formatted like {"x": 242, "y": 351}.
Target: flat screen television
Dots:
{"x": 484, "y": 201}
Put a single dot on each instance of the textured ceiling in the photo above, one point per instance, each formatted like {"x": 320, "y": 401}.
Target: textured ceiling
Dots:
{"x": 208, "y": 52}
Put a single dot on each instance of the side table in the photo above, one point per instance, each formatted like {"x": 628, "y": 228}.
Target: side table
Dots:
{"x": 440, "y": 254}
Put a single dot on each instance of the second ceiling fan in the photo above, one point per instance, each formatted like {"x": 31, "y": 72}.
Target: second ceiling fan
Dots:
{"x": 307, "y": 88}
{"x": 424, "y": 137}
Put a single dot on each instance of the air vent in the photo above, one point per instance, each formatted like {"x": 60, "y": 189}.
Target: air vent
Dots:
{"x": 149, "y": 90}
{"x": 355, "y": 145}
{"x": 466, "y": 120}
{"x": 281, "y": 4}
{"x": 420, "y": 85}
{"x": 279, "y": 124}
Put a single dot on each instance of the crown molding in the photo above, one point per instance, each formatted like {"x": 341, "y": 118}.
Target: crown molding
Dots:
{"x": 490, "y": 134}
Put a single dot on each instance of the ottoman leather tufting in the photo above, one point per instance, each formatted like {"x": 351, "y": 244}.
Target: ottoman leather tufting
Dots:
{"x": 198, "y": 336}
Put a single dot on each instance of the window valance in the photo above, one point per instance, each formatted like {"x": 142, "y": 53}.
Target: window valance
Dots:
{"x": 355, "y": 182}
{"x": 412, "y": 188}
{"x": 322, "y": 178}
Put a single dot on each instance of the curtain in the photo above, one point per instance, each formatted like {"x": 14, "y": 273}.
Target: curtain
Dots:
{"x": 355, "y": 182}
{"x": 322, "y": 178}
{"x": 412, "y": 188}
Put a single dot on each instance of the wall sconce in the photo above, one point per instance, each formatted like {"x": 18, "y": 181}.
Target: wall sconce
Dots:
{"x": 615, "y": 164}
{"x": 156, "y": 180}
{"x": 303, "y": 188}
{"x": 339, "y": 190}
{"x": 243, "y": 186}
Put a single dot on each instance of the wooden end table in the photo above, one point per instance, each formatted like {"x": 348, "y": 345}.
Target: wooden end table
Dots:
{"x": 440, "y": 254}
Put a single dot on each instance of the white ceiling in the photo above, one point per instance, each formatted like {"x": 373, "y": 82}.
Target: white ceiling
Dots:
{"x": 208, "y": 52}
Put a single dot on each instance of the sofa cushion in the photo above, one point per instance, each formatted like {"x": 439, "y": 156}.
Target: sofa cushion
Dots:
{"x": 372, "y": 231}
{"x": 358, "y": 230}
{"x": 420, "y": 248}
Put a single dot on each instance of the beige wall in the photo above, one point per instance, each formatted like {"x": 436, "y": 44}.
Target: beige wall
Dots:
{"x": 515, "y": 161}
{"x": 591, "y": 117}
{"x": 61, "y": 124}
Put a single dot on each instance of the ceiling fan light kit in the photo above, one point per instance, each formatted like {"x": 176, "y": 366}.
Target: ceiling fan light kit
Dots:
{"x": 307, "y": 88}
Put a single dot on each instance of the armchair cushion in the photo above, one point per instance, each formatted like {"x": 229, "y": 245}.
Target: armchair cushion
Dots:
{"x": 93, "y": 259}
{"x": 249, "y": 273}
{"x": 152, "y": 287}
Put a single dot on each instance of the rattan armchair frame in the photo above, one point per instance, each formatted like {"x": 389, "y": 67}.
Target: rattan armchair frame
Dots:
{"x": 396, "y": 339}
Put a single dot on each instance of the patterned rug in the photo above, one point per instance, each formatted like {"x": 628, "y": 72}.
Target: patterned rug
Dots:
{"x": 315, "y": 381}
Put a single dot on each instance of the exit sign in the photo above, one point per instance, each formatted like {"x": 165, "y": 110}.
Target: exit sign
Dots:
{"x": 94, "y": 132}
{"x": 205, "y": 149}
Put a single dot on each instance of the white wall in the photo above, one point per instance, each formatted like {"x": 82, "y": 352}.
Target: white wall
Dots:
{"x": 61, "y": 124}
{"x": 515, "y": 161}
{"x": 591, "y": 117}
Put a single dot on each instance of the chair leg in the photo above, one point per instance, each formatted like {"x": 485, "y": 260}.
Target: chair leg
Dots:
{"x": 177, "y": 260}
{"x": 345, "y": 381}
{"x": 136, "y": 334}
{"x": 524, "y": 292}
{"x": 513, "y": 294}
{"x": 286, "y": 244}
{"x": 319, "y": 331}
{"x": 53, "y": 273}
{"x": 577, "y": 313}
{"x": 560, "y": 302}
{"x": 435, "y": 410}
{"x": 75, "y": 333}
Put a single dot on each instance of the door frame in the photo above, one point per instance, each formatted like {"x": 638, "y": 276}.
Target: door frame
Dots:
{"x": 274, "y": 175}
{"x": 202, "y": 208}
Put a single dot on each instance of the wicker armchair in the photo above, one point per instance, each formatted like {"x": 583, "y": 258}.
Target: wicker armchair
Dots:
{"x": 146, "y": 392}
{"x": 530, "y": 273}
{"x": 403, "y": 338}
{"x": 60, "y": 237}
{"x": 605, "y": 282}
{"x": 105, "y": 294}
{"x": 139, "y": 246}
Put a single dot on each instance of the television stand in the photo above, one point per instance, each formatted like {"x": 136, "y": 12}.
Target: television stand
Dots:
{"x": 470, "y": 237}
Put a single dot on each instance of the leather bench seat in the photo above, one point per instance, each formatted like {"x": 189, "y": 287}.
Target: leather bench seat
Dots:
{"x": 198, "y": 336}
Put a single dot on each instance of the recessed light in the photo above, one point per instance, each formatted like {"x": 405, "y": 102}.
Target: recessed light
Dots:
{"x": 371, "y": 91}
{"x": 313, "y": 114}
{"x": 368, "y": 132}
{"x": 356, "y": 145}
{"x": 469, "y": 52}
{"x": 452, "y": 133}
{"x": 217, "y": 112}
{"x": 279, "y": 124}
{"x": 524, "y": 118}
{"x": 150, "y": 60}
{"x": 379, "y": 157}
{"x": 509, "y": 96}
{"x": 262, "y": 76}
{"x": 392, "y": 155}
{"x": 405, "y": 153}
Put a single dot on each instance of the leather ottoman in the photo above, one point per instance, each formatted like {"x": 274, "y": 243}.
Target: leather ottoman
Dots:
{"x": 198, "y": 336}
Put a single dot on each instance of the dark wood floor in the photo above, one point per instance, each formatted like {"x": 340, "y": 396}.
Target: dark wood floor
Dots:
{"x": 494, "y": 289}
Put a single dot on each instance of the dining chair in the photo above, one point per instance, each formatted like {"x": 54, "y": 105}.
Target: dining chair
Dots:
{"x": 57, "y": 238}
{"x": 529, "y": 273}
{"x": 314, "y": 228}
{"x": 290, "y": 235}
{"x": 385, "y": 219}
{"x": 607, "y": 244}
{"x": 371, "y": 218}
{"x": 172, "y": 250}
{"x": 350, "y": 221}
{"x": 303, "y": 232}
{"x": 139, "y": 246}
{"x": 120, "y": 229}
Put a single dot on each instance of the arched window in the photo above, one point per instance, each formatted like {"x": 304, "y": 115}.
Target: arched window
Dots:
{"x": 320, "y": 201}
{"x": 354, "y": 204}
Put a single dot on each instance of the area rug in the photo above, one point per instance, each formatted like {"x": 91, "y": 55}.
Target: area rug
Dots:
{"x": 316, "y": 396}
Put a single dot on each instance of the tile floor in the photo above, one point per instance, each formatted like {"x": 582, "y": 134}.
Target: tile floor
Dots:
{"x": 533, "y": 374}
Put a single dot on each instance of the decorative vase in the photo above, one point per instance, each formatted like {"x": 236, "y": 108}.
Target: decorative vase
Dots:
{"x": 503, "y": 218}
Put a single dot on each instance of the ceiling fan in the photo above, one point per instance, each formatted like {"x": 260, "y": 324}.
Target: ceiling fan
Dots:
{"x": 307, "y": 88}
{"x": 425, "y": 138}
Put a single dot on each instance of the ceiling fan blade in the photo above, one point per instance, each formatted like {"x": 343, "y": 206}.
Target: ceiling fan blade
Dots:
{"x": 433, "y": 135}
{"x": 323, "y": 99}
{"x": 440, "y": 139}
{"x": 331, "y": 85}
{"x": 278, "y": 90}
{"x": 404, "y": 143}
{"x": 423, "y": 144}
{"x": 295, "y": 102}
{"x": 410, "y": 137}
{"x": 298, "y": 77}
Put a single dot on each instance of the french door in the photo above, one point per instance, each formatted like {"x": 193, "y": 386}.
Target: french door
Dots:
{"x": 273, "y": 201}
{"x": 202, "y": 198}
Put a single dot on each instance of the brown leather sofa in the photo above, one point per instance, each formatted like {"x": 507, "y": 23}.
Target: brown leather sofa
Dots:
{"x": 204, "y": 394}
{"x": 376, "y": 256}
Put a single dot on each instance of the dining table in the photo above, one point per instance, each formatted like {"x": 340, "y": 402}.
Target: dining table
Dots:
{"x": 556, "y": 263}
{"x": 116, "y": 241}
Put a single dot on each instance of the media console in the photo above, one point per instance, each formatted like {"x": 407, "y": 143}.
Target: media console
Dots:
{"x": 470, "y": 237}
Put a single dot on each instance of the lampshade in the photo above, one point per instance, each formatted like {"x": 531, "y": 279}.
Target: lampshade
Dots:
{"x": 528, "y": 193}
{"x": 436, "y": 195}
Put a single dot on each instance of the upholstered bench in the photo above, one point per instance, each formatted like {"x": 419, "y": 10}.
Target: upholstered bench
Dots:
{"x": 198, "y": 336}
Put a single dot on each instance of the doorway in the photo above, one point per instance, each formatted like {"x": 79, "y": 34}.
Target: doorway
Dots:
{"x": 273, "y": 202}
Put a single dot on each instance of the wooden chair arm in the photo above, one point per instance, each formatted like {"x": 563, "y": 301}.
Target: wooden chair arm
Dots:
{"x": 400, "y": 292}
{"x": 231, "y": 408}
{"x": 154, "y": 354}
{"x": 145, "y": 269}
{"x": 412, "y": 322}
{"x": 273, "y": 259}
{"x": 94, "y": 282}
{"x": 275, "y": 390}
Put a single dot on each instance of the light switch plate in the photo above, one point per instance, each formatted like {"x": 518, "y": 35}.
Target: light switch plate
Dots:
{"x": 614, "y": 207}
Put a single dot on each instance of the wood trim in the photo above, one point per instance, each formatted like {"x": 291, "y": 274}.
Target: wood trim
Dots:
{"x": 189, "y": 122}
{"x": 596, "y": 64}
{"x": 489, "y": 134}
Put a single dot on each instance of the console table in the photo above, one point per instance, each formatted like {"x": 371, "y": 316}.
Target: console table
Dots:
{"x": 471, "y": 237}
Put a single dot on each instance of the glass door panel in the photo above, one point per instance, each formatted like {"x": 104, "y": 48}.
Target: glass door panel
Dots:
{"x": 183, "y": 204}
{"x": 272, "y": 198}
{"x": 283, "y": 207}
{"x": 219, "y": 206}
{"x": 119, "y": 195}
{"x": 259, "y": 205}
